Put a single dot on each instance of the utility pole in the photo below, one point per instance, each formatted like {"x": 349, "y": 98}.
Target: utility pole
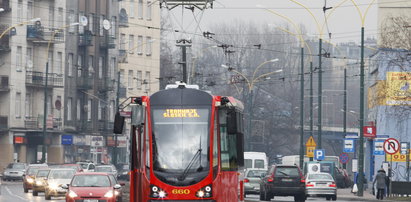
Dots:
{"x": 311, "y": 102}
{"x": 43, "y": 149}
{"x": 320, "y": 92}
{"x": 302, "y": 109}
{"x": 183, "y": 43}
{"x": 345, "y": 108}
{"x": 361, "y": 140}
{"x": 118, "y": 109}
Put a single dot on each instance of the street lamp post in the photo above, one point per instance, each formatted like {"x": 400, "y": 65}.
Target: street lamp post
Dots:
{"x": 43, "y": 150}
{"x": 250, "y": 84}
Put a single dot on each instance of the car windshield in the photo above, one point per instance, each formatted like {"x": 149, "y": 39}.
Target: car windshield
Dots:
{"x": 90, "y": 181}
{"x": 320, "y": 177}
{"x": 61, "y": 174}
{"x": 16, "y": 166}
{"x": 103, "y": 169}
{"x": 255, "y": 173}
{"x": 42, "y": 173}
{"x": 32, "y": 170}
{"x": 287, "y": 172}
{"x": 75, "y": 167}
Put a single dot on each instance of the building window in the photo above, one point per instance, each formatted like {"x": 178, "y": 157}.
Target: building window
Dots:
{"x": 59, "y": 66}
{"x": 18, "y": 105}
{"x": 131, "y": 13}
{"x": 147, "y": 81}
{"x": 89, "y": 109}
{"x": 131, "y": 44}
{"x": 90, "y": 65}
{"x": 149, "y": 10}
{"x": 78, "y": 109}
{"x": 140, "y": 45}
{"x": 101, "y": 30}
{"x": 122, "y": 42}
{"x": 70, "y": 64}
{"x": 113, "y": 26}
{"x": 29, "y": 10}
{"x": 139, "y": 79}
{"x": 112, "y": 68}
{"x": 49, "y": 105}
{"x": 29, "y": 59}
{"x": 90, "y": 22}
{"x": 121, "y": 75}
{"x": 19, "y": 10}
{"x": 80, "y": 27}
{"x": 51, "y": 16}
{"x": 19, "y": 58}
{"x": 149, "y": 42}
{"x": 140, "y": 9}
{"x": 112, "y": 110}
{"x": 100, "y": 67}
{"x": 79, "y": 65}
{"x": 69, "y": 108}
{"x": 99, "y": 110}
{"x": 50, "y": 60}
{"x": 72, "y": 19}
{"x": 130, "y": 79}
{"x": 28, "y": 105}
{"x": 60, "y": 20}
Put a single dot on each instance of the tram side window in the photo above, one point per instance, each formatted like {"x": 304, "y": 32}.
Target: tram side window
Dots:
{"x": 215, "y": 148}
{"x": 248, "y": 163}
{"x": 259, "y": 163}
{"x": 228, "y": 150}
{"x": 147, "y": 151}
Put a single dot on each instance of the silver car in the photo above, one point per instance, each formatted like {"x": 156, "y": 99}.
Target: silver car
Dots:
{"x": 111, "y": 169}
{"x": 322, "y": 185}
{"x": 14, "y": 171}
{"x": 252, "y": 181}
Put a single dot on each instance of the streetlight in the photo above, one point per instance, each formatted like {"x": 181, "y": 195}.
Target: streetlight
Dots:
{"x": 43, "y": 149}
{"x": 18, "y": 24}
{"x": 250, "y": 83}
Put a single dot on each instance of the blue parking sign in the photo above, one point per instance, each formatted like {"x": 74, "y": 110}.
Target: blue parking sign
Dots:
{"x": 319, "y": 154}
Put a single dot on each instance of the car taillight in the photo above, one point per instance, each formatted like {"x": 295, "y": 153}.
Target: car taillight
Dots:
{"x": 270, "y": 179}
{"x": 302, "y": 180}
{"x": 309, "y": 184}
{"x": 246, "y": 180}
{"x": 332, "y": 184}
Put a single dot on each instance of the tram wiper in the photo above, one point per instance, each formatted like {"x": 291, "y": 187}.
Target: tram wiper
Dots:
{"x": 191, "y": 163}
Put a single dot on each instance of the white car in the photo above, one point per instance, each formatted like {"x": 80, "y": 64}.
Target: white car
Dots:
{"x": 321, "y": 185}
{"x": 87, "y": 166}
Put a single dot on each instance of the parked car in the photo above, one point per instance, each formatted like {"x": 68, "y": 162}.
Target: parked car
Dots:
{"x": 252, "y": 180}
{"x": 95, "y": 186}
{"x": 14, "y": 171}
{"x": 87, "y": 166}
{"x": 30, "y": 176}
{"x": 40, "y": 181}
{"x": 283, "y": 180}
{"x": 321, "y": 184}
{"x": 56, "y": 178}
{"x": 107, "y": 169}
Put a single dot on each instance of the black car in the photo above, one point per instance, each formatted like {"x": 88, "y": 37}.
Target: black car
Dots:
{"x": 283, "y": 180}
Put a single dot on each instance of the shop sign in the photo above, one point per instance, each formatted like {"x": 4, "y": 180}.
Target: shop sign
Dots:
{"x": 97, "y": 141}
{"x": 19, "y": 140}
{"x": 81, "y": 140}
{"x": 121, "y": 141}
{"x": 66, "y": 139}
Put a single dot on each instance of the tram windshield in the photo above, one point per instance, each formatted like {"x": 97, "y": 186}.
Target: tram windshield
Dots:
{"x": 181, "y": 145}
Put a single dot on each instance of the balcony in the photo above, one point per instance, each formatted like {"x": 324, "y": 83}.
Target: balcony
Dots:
{"x": 5, "y": 40}
{"x": 5, "y": 4}
{"x": 85, "y": 39}
{"x": 32, "y": 123}
{"x": 85, "y": 83}
{"x": 37, "y": 34}
{"x": 38, "y": 79}
{"x": 36, "y": 123}
{"x": 84, "y": 126}
{"x": 4, "y": 84}
{"x": 122, "y": 56}
{"x": 4, "y": 120}
{"x": 108, "y": 42}
{"x": 106, "y": 84}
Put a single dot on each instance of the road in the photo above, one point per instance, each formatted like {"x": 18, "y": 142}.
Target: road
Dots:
{"x": 253, "y": 198}
{"x": 13, "y": 192}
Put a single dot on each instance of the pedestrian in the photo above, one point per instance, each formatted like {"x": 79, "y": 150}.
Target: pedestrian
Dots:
{"x": 380, "y": 182}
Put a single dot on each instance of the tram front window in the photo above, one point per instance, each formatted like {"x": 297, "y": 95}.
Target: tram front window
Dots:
{"x": 181, "y": 145}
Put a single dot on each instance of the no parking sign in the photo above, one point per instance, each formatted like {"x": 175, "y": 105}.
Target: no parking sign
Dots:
{"x": 344, "y": 158}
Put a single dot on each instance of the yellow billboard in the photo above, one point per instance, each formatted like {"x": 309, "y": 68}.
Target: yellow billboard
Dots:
{"x": 395, "y": 90}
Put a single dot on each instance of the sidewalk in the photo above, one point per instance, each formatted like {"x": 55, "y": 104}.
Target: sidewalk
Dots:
{"x": 367, "y": 196}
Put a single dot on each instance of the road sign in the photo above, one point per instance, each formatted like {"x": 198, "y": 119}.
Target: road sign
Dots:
{"x": 370, "y": 131}
{"x": 344, "y": 158}
{"x": 319, "y": 154}
{"x": 349, "y": 145}
{"x": 379, "y": 147}
{"x": 310, "y": 142}
{"x": 391, "y": 146}
{"x": 310, "y": 152}
{"x": 397, "y": 157}
{"x": 405, "y": 146}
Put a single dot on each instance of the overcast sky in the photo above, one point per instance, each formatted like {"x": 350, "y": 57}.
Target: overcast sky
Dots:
{"x": 344, "y": 23}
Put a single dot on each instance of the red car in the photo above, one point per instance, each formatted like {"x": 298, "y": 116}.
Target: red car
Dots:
{"x": 94, "y": 186}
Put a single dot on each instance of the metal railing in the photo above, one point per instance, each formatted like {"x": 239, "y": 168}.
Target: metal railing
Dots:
{"x": 38, "y": 79}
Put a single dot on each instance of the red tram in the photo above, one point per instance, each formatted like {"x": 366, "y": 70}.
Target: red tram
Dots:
{"x": 186, "y": 145}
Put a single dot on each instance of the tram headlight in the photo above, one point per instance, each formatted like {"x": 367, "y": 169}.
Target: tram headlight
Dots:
{"x": 161, "y": 194}
{"x": 156, "y": 192}
{"x": 204, "y": 192}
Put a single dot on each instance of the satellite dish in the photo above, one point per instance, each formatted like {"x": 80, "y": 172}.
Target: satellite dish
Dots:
{"x": 83, "y": 20}
{"x": 106, "y": 24}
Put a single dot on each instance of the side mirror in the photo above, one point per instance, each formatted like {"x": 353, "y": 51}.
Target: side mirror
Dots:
{"x": 117, "y": 186}
{"x": 122, "y": 184}
{"x": 65, "y": 186}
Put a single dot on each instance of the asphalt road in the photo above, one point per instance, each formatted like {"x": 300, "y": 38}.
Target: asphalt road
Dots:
{"x": 13, "y": 192}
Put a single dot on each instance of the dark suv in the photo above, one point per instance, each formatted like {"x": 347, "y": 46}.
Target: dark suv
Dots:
{"x": 283, "y": 180}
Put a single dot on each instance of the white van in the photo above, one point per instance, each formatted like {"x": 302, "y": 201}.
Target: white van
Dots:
{"x": 255, "y": 160}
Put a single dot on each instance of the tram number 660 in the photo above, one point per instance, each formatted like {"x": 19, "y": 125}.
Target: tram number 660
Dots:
{"x": 180, "y": 191}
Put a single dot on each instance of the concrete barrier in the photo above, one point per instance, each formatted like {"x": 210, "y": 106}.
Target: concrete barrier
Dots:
{"x": 400, "y": 188}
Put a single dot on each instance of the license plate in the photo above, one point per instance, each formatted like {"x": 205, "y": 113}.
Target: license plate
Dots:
{"x": 287, "y": 180}
{"x": 90, "y": 200}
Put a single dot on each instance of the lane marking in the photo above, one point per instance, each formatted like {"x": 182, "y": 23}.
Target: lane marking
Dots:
{"x": 8, "y": 190}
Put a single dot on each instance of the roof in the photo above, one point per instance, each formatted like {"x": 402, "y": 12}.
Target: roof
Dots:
{"x": 93, "y": 173}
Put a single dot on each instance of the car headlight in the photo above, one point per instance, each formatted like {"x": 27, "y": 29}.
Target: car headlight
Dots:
{"x": 30, "y": 180}
{"x": 39, "y": 182}
{"x": 116, "y": 192}
{"x": 53, "y": 186}
{"x": 109, "y": 194}
{"x": 72, "y": 194}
